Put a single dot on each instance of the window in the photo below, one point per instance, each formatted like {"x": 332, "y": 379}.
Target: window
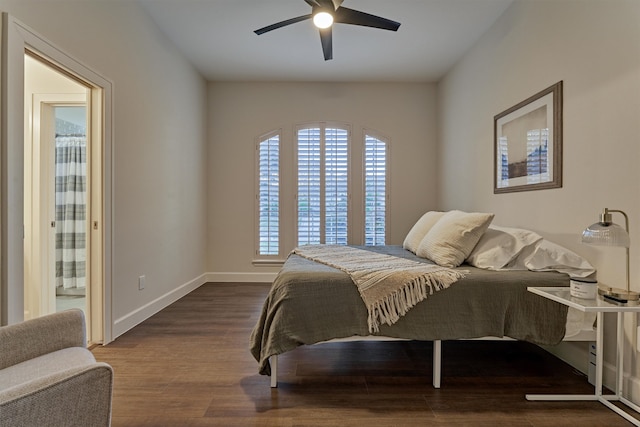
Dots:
{"x": 319, "y": 186}
{"x": 375, "y": 191}
{"x": 268, "y": 195}
{"x": 323, "y": 185}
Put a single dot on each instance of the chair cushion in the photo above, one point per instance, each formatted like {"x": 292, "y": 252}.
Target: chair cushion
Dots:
{"x": 45, "y": 365}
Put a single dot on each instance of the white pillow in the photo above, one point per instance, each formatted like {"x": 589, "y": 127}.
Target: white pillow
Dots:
{"x": 548, "y": 256}
{"x": 453, "y": 237}
{"x": 420, "y": 229}
{"x": 500, "y": 245}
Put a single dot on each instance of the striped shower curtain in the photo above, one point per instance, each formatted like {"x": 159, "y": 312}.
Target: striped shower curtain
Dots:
{"x": 71, "y": 208}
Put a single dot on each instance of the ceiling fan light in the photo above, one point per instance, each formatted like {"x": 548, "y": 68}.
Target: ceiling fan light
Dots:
{"x": 323, "y": 19}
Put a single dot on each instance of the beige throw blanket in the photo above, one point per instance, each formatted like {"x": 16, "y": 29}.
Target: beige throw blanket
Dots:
{"x": 388, "y": 285}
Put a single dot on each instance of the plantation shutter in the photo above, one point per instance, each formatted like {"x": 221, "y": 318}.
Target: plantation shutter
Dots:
{"x": 336, "y": 186}
{"x": 375, "y": 187}
{"x": 309, "y": 186}
{"x": 269, "y": 196}
{"x": 323, "y": 183}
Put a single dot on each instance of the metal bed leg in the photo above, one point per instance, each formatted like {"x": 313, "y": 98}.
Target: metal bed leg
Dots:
{"x": 273, "y": 361}
{"x": 437, "y": 362}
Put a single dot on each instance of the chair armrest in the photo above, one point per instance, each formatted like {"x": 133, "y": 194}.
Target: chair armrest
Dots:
{"x": 33, "y": 338}
{"x": 80, "y": 396}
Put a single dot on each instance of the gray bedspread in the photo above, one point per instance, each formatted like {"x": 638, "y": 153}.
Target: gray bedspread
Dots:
{"x": 311, "y": 302}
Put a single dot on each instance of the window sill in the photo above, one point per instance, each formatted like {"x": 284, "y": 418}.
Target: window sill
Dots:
{"x": 267, "y": 262}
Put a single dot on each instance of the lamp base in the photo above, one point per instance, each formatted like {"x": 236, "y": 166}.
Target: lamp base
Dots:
{"x": 617, "y": 294}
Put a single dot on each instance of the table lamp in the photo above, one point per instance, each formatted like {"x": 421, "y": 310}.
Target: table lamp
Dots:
{"x": 606, "y": 233}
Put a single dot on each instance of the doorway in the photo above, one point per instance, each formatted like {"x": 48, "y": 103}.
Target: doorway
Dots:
{"x": 63, "y": 196}
{"x": 15, "y": 41}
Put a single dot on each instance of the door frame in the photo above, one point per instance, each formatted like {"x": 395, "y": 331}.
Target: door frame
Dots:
{"x": 17, "y": 39}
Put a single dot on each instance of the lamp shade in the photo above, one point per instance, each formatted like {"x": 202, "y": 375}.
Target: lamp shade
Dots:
{"x": 606, "y": 234}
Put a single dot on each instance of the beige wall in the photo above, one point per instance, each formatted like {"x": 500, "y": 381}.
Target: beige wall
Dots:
{"x": 159, "y": 145}
{"x": 241, "y": 112}
{"x": 594, "y": 47}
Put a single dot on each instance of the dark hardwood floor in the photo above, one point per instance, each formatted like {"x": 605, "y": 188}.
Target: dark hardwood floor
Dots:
{"x": 189, "y": 365}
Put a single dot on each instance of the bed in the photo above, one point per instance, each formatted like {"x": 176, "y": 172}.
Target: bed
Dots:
{"x": 311, "y": 302}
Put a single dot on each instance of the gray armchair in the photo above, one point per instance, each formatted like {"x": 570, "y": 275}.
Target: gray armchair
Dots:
{"x": 49, "y": 378}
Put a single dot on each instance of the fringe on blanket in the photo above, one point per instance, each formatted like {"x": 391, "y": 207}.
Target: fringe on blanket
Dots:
{"x": 392, "y": 307}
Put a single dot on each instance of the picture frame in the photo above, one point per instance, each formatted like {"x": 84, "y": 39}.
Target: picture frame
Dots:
{"x": 528, "y": 143}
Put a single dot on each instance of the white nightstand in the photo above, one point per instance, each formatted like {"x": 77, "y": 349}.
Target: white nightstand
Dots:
{"x": 599, "y": 306}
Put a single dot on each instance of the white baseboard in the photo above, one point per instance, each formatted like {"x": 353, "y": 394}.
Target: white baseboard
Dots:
{"x": 128, "y": 321}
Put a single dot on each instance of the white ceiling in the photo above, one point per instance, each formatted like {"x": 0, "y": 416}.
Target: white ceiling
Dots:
{"x": 217, "y": 37}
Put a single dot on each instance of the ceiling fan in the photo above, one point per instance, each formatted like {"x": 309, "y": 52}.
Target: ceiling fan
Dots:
{"x": 327, "y": 12}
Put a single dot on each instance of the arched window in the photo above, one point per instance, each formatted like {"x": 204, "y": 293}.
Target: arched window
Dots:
{"x": 307, "y": 189}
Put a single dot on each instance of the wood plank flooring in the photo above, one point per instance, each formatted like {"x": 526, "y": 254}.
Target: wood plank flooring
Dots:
{"x": 189, "y": 365}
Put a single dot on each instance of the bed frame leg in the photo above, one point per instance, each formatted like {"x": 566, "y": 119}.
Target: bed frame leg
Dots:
{"x": 437, "y": 365}
{"x": 273, "y": 361}
{"x": 437, "y": 362}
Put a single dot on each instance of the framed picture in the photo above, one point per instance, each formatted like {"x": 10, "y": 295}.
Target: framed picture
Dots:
{"x": 528, "y": 143}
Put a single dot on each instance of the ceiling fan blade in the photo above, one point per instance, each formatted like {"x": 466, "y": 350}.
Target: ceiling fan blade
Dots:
{"x": 281, "y": 24}
{"x": 312, "y": 3}
{"x": 349, "y": 16}
{"x": 327, "y": 44}
{"x": 324, "y": 4}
